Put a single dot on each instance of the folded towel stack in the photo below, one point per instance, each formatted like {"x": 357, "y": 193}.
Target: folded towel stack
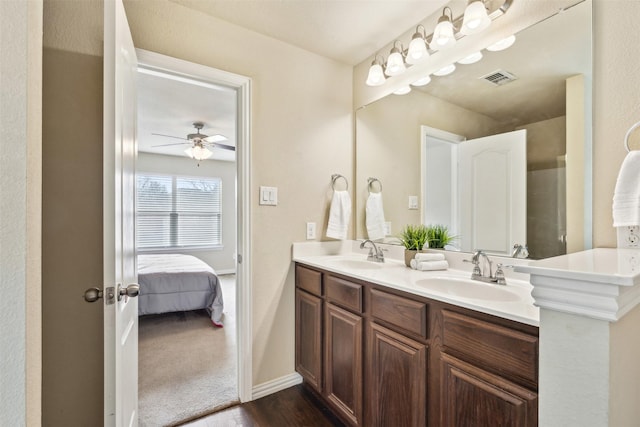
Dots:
{"x": 429, "y": 262}
{"x": 339, "y": 215}
{"x": 626, "y": 198}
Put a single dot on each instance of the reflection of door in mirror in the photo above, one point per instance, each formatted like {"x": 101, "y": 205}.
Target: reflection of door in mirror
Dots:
{"x": 476, "y": 188}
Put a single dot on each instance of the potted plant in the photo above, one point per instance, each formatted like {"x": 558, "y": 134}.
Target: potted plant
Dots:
{"x": 438, "y": 236}
{"x": 413, "y": 238}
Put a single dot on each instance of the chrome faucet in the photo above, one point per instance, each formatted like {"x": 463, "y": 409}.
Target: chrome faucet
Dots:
{"x": 481, "y": 273}
{"x": 520, "y": 251}
{"x": 375, "y": 253}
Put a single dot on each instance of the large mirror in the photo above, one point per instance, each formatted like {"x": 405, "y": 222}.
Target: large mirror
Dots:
{"x": 416, "y": 146}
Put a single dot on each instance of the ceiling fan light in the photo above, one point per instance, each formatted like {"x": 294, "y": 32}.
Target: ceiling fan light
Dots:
{"x": 417, "y": 50}
{"x": 475, "y": 18}
{"x": 471, "y": 59}
{"x": 376, "y": 75}
{"x": 502, "y": 44}
{"x": 402, "y": 91}
{"x": 422, "y": 82}
{"x": 395, "y": 63}
{"x": 444, "y": 34}
{"x": 444, "y": 71}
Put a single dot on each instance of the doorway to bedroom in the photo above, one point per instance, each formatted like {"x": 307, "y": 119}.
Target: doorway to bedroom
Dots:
{"x": 186, "y": 244}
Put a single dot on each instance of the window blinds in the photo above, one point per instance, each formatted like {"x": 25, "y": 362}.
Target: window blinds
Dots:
{"x": 178, "y": 212}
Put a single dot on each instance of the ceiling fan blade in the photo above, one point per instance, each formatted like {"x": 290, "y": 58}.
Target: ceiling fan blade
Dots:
{"x": 176, "y": 143}
{"x": 170, "y": 136}
{"x": 215, "y": 138}
{"x": 223, "y": 146}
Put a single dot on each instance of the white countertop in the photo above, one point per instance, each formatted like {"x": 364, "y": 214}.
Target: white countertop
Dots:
{"x": 513, "y": 301}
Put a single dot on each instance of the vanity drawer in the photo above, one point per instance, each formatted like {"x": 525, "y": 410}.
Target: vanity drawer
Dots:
{"x": 405, "y": 313}
{"x": 343, "y": 293}
{"x": 309, "y": 280}
{"x": 509, "y": 352}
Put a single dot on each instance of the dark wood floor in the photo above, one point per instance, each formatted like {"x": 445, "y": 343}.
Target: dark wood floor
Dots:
{"x": 295, "y": 406}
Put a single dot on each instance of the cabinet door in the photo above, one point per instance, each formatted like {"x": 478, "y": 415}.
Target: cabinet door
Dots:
{"x": 309, "y": 338}
{"x": 343, "y": 362}
{"x": 397, "y": 378}
{"x": 472, "y": 397}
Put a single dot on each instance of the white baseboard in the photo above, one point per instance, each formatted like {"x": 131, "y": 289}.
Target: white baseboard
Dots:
{"x": 227, "y": 271}
{"x": 273, "y": 386}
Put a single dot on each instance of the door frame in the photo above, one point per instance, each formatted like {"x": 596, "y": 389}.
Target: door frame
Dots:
{"x": 177, "y": 67}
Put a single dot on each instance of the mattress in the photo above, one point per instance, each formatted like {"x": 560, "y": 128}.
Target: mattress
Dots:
{"x": 178, "y": 282}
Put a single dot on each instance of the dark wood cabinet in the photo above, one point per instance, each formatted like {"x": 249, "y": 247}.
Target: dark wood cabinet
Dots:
{"x": 309, "y": 338}
{"x": 397, "y": 379}
{"x": 383, "y": 357}
{"x": 343, "y": 362}
{"x": 473, "y": 397}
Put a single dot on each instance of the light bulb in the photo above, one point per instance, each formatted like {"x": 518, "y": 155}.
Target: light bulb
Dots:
{"x": 402, "y": 91}
{"x": 422, "y": 82}
{"x": 445, "y": 70}
{"x": 443, "y": 35}
{"x": 475, "y": 18}
{"x": 395, "y": 63}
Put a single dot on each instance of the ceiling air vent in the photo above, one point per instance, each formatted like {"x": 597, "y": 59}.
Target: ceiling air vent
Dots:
{"x": 499, "y": 77}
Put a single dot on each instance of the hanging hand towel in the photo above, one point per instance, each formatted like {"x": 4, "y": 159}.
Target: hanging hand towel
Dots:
{"x": 339, "y": 215}
{"x": 375, "y": 216}
{"x": 626, "y": 198}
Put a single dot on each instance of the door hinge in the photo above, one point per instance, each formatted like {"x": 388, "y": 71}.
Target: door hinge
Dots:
{"x": 239, "y": 259}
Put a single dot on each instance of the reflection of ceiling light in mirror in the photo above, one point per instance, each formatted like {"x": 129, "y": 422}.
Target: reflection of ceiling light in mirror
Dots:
{"x": 402, "y": 91}
{"x": 475, "y": 18}
{"x": 502, "y": 44}
{"x": 444, "y": 71}
{"x": 422, "y": 82}
{"x": 471, "y": 59}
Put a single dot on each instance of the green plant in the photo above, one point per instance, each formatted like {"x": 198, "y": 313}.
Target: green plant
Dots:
{"x": 438, "y": 236}
{"x": 413, "y": 237}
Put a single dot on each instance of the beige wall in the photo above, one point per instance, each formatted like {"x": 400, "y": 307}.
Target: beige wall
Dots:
{"x": 20, "y": 211}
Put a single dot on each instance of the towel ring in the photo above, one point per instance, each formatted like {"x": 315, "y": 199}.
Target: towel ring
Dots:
{"x": 335, "y": 177}
{"x": 370, "y": 182}
{"x": 626, "y": 137}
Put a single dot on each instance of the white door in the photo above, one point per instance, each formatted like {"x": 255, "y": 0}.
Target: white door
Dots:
{"x": 121, "y": 316}
{"x": 493, "y": 192}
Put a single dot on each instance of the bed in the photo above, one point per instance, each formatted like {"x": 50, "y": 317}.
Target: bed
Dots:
{"x": 177, "y": 282}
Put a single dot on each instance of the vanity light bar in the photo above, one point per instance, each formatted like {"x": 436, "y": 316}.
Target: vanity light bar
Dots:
{"x": 422, "y": 45}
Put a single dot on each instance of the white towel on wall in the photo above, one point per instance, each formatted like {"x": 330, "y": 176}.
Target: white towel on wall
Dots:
{"x": 339, "y": 215}
{"x": 374, "y": 213}
{"x": 626, "y": 198}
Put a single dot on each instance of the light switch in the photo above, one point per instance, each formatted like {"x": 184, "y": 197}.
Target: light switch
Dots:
{"x": 413, "y": 202}
{"x": 268, "y": 196}
{"x": 311, "y": 230}
{"x": 387, "y": 228}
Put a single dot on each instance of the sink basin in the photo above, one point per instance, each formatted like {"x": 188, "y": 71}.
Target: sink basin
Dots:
{"x": 356, "y": 264}
{"x": 467, "y": 288}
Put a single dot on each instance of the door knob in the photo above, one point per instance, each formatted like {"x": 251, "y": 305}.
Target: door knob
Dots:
{"x": 94, "y": 294}
{"x": 133, "y": 290}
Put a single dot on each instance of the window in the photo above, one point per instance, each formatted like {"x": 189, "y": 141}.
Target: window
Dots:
{"x": 178, "y": 212}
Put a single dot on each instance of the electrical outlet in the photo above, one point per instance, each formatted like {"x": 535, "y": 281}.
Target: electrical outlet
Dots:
{"x": 629, "y": 236}
{"x": 311, "y": 230}
{"x": 413, "y": 202}
{"x": 387, "y": 228}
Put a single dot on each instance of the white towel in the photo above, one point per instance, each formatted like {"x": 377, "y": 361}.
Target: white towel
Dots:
{"x": 375, "y": 216}
{"x": 626, "y": 198}
{"x": 339, "y": 215}
{"x": 429, "y": 265}
{"x": 429, "y": 257}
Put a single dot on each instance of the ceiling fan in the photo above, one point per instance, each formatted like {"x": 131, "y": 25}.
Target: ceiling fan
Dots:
{"x": 199, "y": 143}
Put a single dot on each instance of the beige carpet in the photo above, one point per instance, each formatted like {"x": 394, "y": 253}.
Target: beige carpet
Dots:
{"x": 187, "y": 367}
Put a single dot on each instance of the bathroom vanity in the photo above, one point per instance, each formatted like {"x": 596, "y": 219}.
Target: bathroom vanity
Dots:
{"x": 384, "y": 345}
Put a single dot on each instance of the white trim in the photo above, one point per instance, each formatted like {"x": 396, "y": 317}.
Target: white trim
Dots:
{"x": 162, "y": 63}
{"x": 276, "y": 385}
